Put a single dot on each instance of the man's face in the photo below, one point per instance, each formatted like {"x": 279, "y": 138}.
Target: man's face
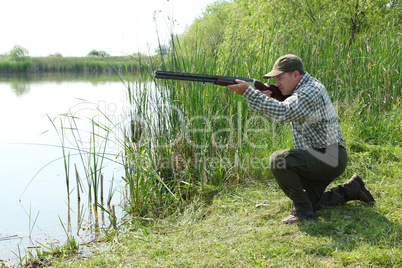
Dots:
{"x": 286, "y": 82}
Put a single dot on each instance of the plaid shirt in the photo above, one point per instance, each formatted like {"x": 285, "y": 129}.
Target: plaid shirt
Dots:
{"x": 309, "y": 110}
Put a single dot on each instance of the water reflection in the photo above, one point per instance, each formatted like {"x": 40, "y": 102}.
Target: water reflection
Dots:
{"x": 35, "y": 206}
{"x": 20, "y": 88}
{"x": 20, "y": 82}
{"x": 60, "y": 77}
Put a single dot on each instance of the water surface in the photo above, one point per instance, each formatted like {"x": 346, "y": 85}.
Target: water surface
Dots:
{"x": 34, "y": 205}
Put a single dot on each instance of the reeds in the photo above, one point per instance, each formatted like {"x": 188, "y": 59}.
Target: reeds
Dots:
{"x": 87, "y": 142}
{"x": 69, "y": 64}
{"x": 181, "y": 138}
{"x": 186, "y": 137}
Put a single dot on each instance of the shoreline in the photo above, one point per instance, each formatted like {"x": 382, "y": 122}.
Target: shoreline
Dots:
{"x": 72, "y": 64}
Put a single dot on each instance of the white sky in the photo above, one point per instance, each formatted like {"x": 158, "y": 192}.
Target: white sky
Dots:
{"x": 74, "y": 28}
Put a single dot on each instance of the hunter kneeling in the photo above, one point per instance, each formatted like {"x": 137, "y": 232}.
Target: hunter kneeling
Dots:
{"x": 319, "y": 155}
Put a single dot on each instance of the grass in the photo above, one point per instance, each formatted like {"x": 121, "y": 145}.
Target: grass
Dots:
{"x": 239, "y": 224}
{"x": 70, "y": 64}
{"x": 241, "y": 227}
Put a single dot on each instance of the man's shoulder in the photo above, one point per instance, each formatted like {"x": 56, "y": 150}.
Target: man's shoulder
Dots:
{"x": 309, "y": 83}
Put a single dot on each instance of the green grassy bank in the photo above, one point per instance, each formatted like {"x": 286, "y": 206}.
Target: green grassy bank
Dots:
{"x": 238, "y": 224}
{"x": 241, "y": 228}
{"x": 71, "y": 64}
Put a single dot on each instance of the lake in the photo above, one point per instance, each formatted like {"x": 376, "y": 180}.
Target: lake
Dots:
{"x": 34, "y": 199}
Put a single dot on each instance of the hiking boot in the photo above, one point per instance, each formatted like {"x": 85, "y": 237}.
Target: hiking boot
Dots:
{"x": 298, "y": 216}
{"x": 360, "y": 191}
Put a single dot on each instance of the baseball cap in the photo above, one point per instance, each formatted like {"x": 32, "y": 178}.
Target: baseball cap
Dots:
{"x": 285, "y": 63}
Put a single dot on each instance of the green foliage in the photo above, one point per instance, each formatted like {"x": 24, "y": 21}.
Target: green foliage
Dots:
{"x": 364, "y": 14}
{"x": 205, "y": 136}
{"x": 56, "y": 55}
{"x": 58, "y": 63}
{"x": 96, "y": 53}
{"x": 19, "y": 53}
{"x": 341, "y": 43}
{"x": 212, "y": 25}
{"x": 241, "y": 228}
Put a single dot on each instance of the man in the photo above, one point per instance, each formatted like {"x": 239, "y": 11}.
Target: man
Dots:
{"x": 319, "y": 155}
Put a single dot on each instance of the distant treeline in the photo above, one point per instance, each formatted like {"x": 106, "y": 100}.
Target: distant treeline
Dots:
{"x": 71, "y": 64}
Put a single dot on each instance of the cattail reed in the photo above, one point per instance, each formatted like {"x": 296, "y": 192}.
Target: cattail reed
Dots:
{"x": 77, "y": 175}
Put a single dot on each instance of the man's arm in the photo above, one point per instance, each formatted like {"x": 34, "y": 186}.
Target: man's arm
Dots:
{"x": 297, "y": 107}
{"x": 241, "y": 87}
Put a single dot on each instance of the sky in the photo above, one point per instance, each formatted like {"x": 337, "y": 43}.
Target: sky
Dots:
{"x": 75, "y": 27}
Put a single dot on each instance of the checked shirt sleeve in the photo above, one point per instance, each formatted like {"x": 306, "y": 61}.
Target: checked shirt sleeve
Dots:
{"x": 309, "y": 110}
{"x": 295, "y": 108}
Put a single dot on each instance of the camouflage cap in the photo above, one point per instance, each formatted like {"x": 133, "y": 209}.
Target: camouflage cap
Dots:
{"x": 286, "y": 63}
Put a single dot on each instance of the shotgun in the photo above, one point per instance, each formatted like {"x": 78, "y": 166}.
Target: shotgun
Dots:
{"x": 221, "y": 81}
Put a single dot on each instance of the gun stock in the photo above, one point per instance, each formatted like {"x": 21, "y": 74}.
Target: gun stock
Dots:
{"x": 221, "y": 81}
{"x": 276, "y": 93}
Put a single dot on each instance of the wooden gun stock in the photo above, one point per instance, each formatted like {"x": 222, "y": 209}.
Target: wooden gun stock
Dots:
{"x": 276, "y": 93}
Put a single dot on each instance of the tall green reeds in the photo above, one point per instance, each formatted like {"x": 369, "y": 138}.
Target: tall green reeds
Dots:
{"x": 181, "y": 139}
{"x": 87, "y": 142}
{"x": 186, "y": 137}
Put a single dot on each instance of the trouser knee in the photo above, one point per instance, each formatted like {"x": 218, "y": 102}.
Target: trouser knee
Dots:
{"x": 277, "y": 160}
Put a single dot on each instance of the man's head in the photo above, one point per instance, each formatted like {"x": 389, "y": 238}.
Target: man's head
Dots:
{"x": 286, "y": 63}
{"x": 287, "y": 71}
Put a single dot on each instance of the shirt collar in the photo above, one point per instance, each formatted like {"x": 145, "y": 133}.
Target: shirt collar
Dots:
{"x": 302, "y": 81}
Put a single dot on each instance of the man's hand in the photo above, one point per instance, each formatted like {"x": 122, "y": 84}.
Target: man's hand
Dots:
{"x": 267, "y": 92}
{"x": 239, "y": 88}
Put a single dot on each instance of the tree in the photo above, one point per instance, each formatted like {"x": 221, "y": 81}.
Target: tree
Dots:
{"x": 213, "y": 23}
{"x": 97, "y": 53}
{"x": 56, "y": 55}
{"x": 19, "y": 53}
{"x": 94, "y": 53}
{"x": 352, "y": 16}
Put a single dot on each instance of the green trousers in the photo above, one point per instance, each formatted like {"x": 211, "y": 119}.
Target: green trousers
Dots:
{"x": 304, "y": 175}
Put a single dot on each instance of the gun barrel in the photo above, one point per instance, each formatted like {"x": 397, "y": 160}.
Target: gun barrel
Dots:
{"x": 195, "y": 77}
{"x": 220, "y": 80}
